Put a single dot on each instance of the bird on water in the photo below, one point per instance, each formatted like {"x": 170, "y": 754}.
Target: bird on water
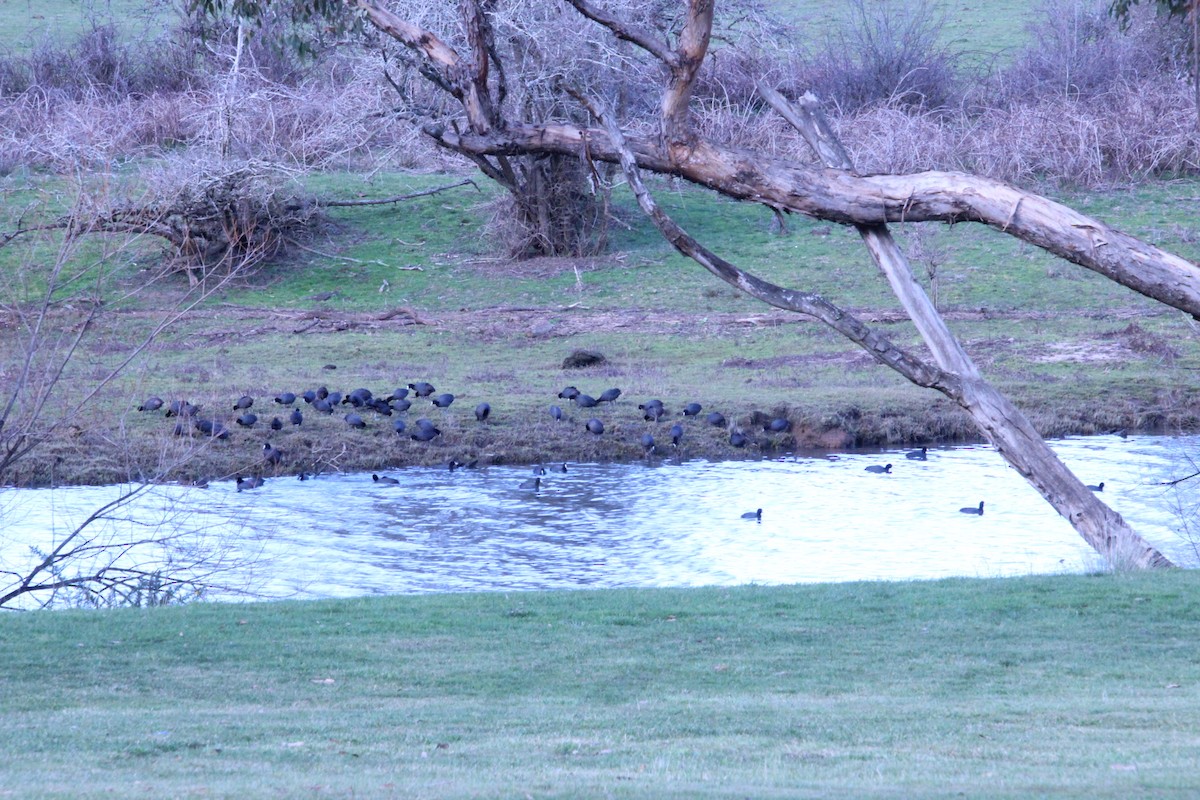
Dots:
{"x": 973, "y": 510}
{"x": 757, "y": 515}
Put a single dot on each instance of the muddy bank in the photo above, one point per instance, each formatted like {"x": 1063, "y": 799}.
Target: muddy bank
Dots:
{"x": 150, "y": 449}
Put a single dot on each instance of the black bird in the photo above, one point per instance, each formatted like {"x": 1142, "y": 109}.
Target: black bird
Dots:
{"x": 276, "y": 424}
{"x": 539, "y": 470}
{"x": 334, "y": 398}
{"x": 753, "y": 515}
{"x": 654, "y": 413}
{"x": 569, "y": 393}
{"x": 651, "y": 404}
{"x": 648, "y": 443}
{"x": 676, "y": 434}
{"x": 556, "y": 412}
{"x": 878, "y": 469}
{"x": 182, "y": 408}
{"x": 1097, "y": 488}
{"x": 973, "y": 510}
{"x": 608, "y": 396}
{"x": 322, "y": 392}
{"x": 401, "y": 405}
{"x": 323, "y": 405}
{"x": 247, "y": 420}
{"x": 443, "y": 400}
{"x": 244, "y": 402}
{"x": 692, "y": 409}
{"x": 354, "y": 420}
{"x": 384, "y": 479}
{"x": 423, "y": 423}
{"x": 379, "y": 406}
{"x": 358, "y": 398}
{"x": 778, "y": 425}
{"x": 482, "y": 411}
{"x": 285, "y": 398}
{"x": 738, "y": 439}
{"x": 422, "y": 389}
{"x": 309, "y": 396}
{"x": 463, "y": 465}
{"x": 211, "y": 428}
{"x": 531, "y": 483}
{"x": 595, "y": 426}
{"x": 562, "y": 467}
{"x": 918, "y": 455}
{"x": 585, "y": 401}
{"x": 425, "y": 434}
{"x": 399, "y": 394}
{"x": 151, "y": 404}
{"x": 716, "y": 418}
{"x": 398, "y": 426}
{"x": 296, "y": 417}
{"x": 272, "y": 455}
{"x": 252, "y": 482}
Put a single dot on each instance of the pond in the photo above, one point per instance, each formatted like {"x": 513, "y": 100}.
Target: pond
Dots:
{"x": 824, "y": 518}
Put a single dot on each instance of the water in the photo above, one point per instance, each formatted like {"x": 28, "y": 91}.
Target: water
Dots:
{"x": 666, "y": 524}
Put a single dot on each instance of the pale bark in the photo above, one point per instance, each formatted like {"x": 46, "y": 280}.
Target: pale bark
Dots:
{"x": 838, "y": 194}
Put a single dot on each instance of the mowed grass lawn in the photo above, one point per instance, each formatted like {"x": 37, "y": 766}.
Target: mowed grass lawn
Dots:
{"x": 1065, "y": 686}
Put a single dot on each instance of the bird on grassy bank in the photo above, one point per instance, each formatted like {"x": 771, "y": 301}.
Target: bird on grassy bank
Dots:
{"x": 585, "y": 401}
{"x": 886, "y": 470}
{"x": 738, "y": 439}
{"x": 442, "y": 400}
{"x": 595, "y": 426}
{"x": 556, "y": 413}
{"x": 918, "y": 455}
{"x": 425, "y": 433}
{"x": 398, "y": 425}
{"x": 358, "y": 398}
{"x": 756, "y": 515}
{"x": 276, "y": 424}
{"x": 609, "y": 396}
{"x": 323, "y": 405}
{"x": 531, "y": 483}
{"x": 972, "y": 509}
{"x": 211, "y": 428}
{"x": 182, "y": 408}
{"x": 296, "y": 418}
{"x": 151, "y": 404}
{"x": 271, "y": 454}
{"x": 247, "y": 420}
{"x": 676, "y": 434}
{"x": 692, "y": 409}
{"x": 777, "y": 425}
{"x": 252, "y": 482}
{"x": 482, "y": 412}
{"x": 354, "y": 421}
{"x": 1097, "y": 488}
{"x": 648, "y": 444}
{"x": 422, "y": 389}
{"x": 716, "y": 419}
{"x": 384, "y": 479}
{"x": 243, "y": 402}
{"x": 399, "y": 394}
{"x": 568, "y": 393}
{"x": 285, "y": 398}
{"x": 654, "y": 411}
{"x": 309, "y": 396}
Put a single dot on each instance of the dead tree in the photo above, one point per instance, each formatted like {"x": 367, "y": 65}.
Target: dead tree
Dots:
{"x": 834, "y": 192}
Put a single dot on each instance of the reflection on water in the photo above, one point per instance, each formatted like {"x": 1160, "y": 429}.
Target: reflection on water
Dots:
{"x": 666, "y": 524}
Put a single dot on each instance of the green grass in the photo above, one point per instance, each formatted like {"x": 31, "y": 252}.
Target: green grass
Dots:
{"x": 1079, "y": 353}
{"x": 26, "y": 22}
{"x": 1061, "y": 686}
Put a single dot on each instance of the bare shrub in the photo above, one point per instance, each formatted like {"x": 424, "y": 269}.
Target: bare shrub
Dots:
{"x": 886, "y": 53}
{"x": 1079, "y": 49}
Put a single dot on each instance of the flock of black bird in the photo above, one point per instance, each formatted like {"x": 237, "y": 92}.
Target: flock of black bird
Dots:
{"x": 399, "y": 401}
{"x": 286, "y": 413}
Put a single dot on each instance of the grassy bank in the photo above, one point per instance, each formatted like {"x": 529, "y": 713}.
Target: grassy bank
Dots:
{"x": 1064, "y": 686}
{"x": 1078, "y": 353}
